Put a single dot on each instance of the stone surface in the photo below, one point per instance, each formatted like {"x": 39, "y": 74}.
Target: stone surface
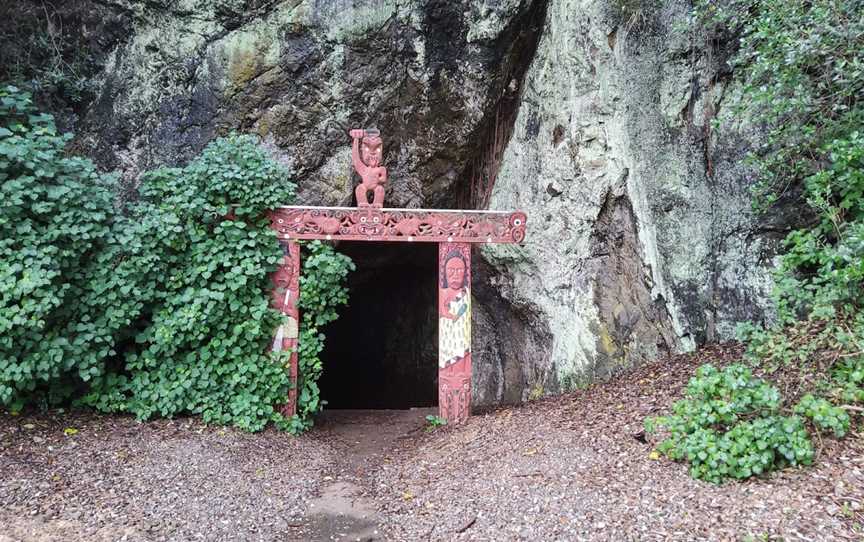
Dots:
{"x": 642, "y": 240}
{"x": 299, "y": 73}
{"x": 594, "y": 116}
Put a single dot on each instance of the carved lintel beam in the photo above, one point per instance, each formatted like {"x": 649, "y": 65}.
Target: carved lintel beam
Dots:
{"x": 405, "y": 225}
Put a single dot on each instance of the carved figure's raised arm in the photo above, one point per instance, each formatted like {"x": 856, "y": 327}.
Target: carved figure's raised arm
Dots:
{"x": 361, "y": 168}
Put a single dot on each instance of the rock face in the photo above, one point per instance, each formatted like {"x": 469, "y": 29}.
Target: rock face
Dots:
{"x": 642, "y": 240}
{"x": 300, "y": 73}
{"x": 594, "y": 116}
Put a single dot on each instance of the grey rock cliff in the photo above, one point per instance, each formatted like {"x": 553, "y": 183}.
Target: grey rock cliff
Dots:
{"x": 642, "y": 239}
{"x": 594, "y": 116}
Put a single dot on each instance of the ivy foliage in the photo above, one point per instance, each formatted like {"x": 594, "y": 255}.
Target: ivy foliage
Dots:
{"x": 163, "y": 309}
{"x": 801, "y": 63}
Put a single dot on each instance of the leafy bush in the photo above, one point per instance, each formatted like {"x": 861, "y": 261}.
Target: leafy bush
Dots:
{"x": 823, "y": 268}
{"x": 322, "y": 290}
{"x": 824, "y": 414}
{"x": 729, "y": 426}
{"x": 195, "y": 256}
{"x": 56, "y": 217}
{"x": 801, "y": 63}
{"x": 159, "y": 311}
{"x": 848, "y": 380}
{"x": 802, "y": 68}
{"x": 45, "y": 51}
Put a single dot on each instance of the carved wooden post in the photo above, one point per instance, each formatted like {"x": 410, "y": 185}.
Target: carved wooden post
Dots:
{"x": 454, "y": 331}
{"x": 285, "y": 297}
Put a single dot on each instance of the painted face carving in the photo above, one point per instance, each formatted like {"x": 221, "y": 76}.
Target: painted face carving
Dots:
{"x": 455, "y": 270}
{"x": 370, "y": 151}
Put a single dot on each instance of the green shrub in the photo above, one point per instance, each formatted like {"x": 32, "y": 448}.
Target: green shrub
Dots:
{"x": 56, "y": 218}
{"x": 824, "y": 414}
{"x": 194, "y": 254}
{"x": 801, "y": 65}
{"x": 45, "y": 51}
{"x": 848, "y": 380}
{"x": 161, "y": 310}
{"x": 322, "y": 290}
{"x": 823, "y": 267}
{"x": 729, "y": 426}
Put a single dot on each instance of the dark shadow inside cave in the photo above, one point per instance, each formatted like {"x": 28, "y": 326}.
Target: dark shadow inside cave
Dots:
{"x": 382, "y": 351}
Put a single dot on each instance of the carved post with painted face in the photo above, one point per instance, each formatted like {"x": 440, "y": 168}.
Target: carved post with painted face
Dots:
{"x": 284, "y": 298}
{"x": 454, "y": 331}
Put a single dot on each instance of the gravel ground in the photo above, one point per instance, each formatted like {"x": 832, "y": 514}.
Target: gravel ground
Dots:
{"x": 578, "y": 468}
{"x": 117, "y": 479}
{"x": 570, "y": 468}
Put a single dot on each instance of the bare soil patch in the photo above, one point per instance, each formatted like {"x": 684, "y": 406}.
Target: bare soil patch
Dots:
{"x": 166, "y": 480}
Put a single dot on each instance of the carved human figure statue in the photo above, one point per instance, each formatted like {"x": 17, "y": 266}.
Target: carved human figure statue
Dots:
{"x": 454, "y": 319}
{"x": 366, "y": 156}
{"x": 454, "y": 331}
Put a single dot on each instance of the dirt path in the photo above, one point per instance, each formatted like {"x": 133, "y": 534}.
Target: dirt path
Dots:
{"x": 364, "y": 440}
{"x": 117, "y": 479}
{"x": 579, "y": 467}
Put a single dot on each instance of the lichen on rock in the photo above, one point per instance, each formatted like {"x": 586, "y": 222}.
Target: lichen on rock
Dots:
{"x": 642, "y": 234}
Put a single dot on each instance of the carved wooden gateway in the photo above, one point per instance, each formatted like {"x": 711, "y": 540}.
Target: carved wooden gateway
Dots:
{"x": 453, "y": 230}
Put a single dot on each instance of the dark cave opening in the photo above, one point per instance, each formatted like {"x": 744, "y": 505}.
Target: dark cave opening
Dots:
{"x": 382, "y": 351}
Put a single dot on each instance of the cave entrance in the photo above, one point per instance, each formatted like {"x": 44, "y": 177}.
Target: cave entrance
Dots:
{"x": 453, "y": 232}
{"x": 382, "y": 352}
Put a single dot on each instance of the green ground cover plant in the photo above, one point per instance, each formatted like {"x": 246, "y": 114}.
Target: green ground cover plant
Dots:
{"x": 161, "y": 308}
{"x": 730, "y": 425}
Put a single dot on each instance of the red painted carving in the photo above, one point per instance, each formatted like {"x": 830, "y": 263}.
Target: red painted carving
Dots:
{"x": 453, "y": 230}
{"x": 366, "y": 156}
{"x": 454, "y": 331}
{"x": 411, "y": 225}
{"x": 284, "y": 298}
